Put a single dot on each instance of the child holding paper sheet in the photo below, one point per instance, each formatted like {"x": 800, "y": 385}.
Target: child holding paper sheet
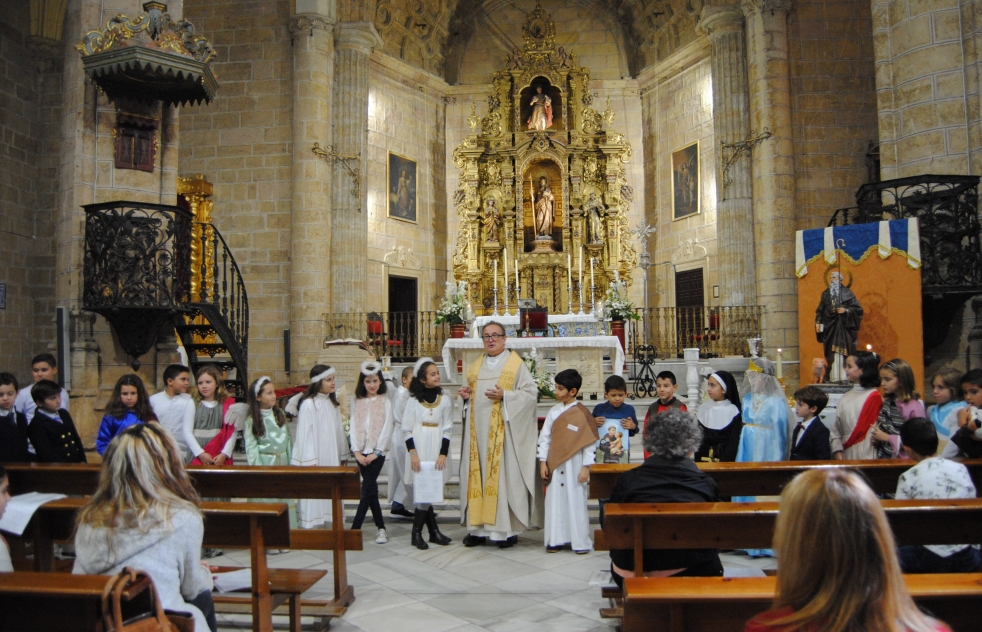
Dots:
{"x": 427, "y": 425}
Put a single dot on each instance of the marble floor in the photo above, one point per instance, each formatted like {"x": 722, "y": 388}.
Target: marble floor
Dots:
{"x": 398, "y": 587}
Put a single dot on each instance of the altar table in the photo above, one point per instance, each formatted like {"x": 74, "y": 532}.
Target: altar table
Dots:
{"x": 585, "y": 354}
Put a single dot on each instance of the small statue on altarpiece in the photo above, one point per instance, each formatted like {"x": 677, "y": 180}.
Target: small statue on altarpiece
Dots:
{"x": 595, "y": 211}
{"x": 544, "y": 203}
{"x": 541, "y": 118}
{"x": 492, "y": 221}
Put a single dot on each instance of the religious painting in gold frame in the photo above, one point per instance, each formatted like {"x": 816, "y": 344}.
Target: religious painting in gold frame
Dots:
{"x": 402, "y": 191}
{"x": 685, "y": 181}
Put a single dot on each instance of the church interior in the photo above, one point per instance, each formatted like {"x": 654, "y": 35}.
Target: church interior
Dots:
{"x": 628, "y": 186}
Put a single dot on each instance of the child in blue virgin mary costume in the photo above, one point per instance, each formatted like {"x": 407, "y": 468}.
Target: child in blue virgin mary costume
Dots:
{"x": 766, "y": 420}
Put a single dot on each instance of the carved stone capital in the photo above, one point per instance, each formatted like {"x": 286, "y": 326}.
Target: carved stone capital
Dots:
{"x": 360, "y": 36}
{"x": 752, "y": 7}
{"x": 718, "y": 20}
{"x": 307, "y": 23}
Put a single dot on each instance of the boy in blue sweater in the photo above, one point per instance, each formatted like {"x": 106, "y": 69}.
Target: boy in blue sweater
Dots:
{"x": 616, "y": 421}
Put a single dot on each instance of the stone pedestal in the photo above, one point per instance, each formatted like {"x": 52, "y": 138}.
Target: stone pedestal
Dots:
{"x": 310, "y": 247}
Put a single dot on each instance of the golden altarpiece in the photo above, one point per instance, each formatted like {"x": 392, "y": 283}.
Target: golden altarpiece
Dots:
{"x": 542, "y": 185}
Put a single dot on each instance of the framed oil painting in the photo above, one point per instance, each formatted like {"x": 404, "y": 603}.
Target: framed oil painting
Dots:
{"x": 685, "y": 181}
{"x": 402, "y": 188}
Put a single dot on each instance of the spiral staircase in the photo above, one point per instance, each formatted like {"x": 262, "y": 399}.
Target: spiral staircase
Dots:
{"x": 149, "y": 267}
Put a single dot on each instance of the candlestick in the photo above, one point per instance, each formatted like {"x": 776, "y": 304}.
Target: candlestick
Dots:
{"x": 779, "y": 372}
{"x": 496, "y": 299}
{"x": 569, "y": 291}
{"x": 581, "y": 312}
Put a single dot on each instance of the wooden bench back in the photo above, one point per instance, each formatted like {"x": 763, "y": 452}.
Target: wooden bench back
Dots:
{"x": 769, "y": 478}
{"x": 718, "y": 604}
{"x": 751, "y": 525}
{"x": 46, "y": 601}
{"x": 239, "y": 481}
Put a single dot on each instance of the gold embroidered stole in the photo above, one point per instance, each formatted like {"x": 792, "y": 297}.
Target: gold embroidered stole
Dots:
{"x": 482, "y": 499}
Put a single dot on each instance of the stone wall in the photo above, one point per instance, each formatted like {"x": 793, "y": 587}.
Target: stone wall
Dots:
{"x": 28, "y": 149}
{"x": 833, "y": 103}
{"x": 407, "y": 116}
{"x": 595, "y": 39}
{"x": 242, "y": 143}
{"x": 678, "y": 111}
{"x": 927, "y": 87}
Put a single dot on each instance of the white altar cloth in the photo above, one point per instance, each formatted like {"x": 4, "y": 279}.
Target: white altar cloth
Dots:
{"x": 453, "y": 349}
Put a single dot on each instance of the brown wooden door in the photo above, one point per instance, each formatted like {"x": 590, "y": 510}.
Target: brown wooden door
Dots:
{"x": 689, "y": 303}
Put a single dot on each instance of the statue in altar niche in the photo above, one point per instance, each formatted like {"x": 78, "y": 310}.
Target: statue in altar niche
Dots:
{"x": 492, "y": 221}
{"x": 544, "y": 204}
{"x": 594, "y": 210}
{"x": 541, "y": 118}
{"x": 837, "y": 322}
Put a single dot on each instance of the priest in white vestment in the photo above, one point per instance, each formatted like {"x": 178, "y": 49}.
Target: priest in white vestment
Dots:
{"x": 501, "y": 491}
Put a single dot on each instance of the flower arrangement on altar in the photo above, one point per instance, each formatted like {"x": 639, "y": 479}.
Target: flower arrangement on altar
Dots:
{"x": 617, "y": 305}
{"x": 543, "y": 379}
{"x": 453, "y": 307}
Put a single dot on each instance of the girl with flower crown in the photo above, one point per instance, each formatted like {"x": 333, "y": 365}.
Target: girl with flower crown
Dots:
{"x": 267, "y": 439}
{"x": 320, "y": 439}
{"x": 427, "y": 425}
{"x": 371, "y": 431}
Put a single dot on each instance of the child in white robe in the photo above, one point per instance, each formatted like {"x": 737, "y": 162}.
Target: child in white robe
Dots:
{"x": 427, "y": 425}
{"x": 399, "y": 494}
{"x": 320, "y": 439}
{"x": 566, "y": 450}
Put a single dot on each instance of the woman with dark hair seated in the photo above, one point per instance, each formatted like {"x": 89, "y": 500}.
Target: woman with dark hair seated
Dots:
{"x": 667, "y": 476}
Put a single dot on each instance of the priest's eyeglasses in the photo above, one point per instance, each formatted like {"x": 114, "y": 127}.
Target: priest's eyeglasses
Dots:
{"x": 493, "y": 336}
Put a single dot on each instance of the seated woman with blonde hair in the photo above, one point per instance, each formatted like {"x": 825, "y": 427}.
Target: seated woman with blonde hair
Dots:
{"x": 146, "y": 515}
{"x": 844, "y": 576}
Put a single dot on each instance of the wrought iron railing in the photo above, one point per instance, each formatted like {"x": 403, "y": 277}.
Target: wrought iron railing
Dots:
{"x": 947, "y": 210}
{"x": 715, "y": 331}
{"x": 405, "y": 336}
{"x": 133, "y": 256}
{"x": 223, "y": 289}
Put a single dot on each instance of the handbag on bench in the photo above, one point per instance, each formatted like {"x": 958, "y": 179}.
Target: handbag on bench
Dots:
{"x": 133, "y": 593}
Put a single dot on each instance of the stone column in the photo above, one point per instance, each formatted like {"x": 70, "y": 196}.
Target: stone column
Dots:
{"x": 731, "y": 124}
{"x": 773, "y": 172}
{"x": 310, "y": 230}
{"x": 349, "y": 236}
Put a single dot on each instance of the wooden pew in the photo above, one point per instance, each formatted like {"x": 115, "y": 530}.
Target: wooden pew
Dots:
{"x": 44, "y": 601}
{"x": 751, "y": 525}
{"x": 769, "y": 478}
{"x": 255, "y": 482}
{"x": 696, "y": 604}
{"x": 253, "y": 526}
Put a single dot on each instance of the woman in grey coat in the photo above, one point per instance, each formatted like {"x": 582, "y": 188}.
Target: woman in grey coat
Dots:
{"x": 146, "y": 515}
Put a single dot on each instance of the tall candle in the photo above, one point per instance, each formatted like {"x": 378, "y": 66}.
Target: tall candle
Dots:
{"x": 569, "y": 269}
{"x": 581, "y": 266}
{"x": 496, "y": 274}
{"x": 505, "y": 263}
{"x": 518, "y": 282}
{"x": 592, "y": 281}
{"x": 779, "y": 371}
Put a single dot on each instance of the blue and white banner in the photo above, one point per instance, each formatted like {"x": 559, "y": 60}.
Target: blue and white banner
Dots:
{"x": 856, "y": 242}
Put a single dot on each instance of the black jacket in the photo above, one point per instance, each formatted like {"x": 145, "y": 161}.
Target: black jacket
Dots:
{"x": 55, "y": 442}
{"x": 659, "y": 480}
{"x": 13, "y": 438}
{"x": 814, "y": 443}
